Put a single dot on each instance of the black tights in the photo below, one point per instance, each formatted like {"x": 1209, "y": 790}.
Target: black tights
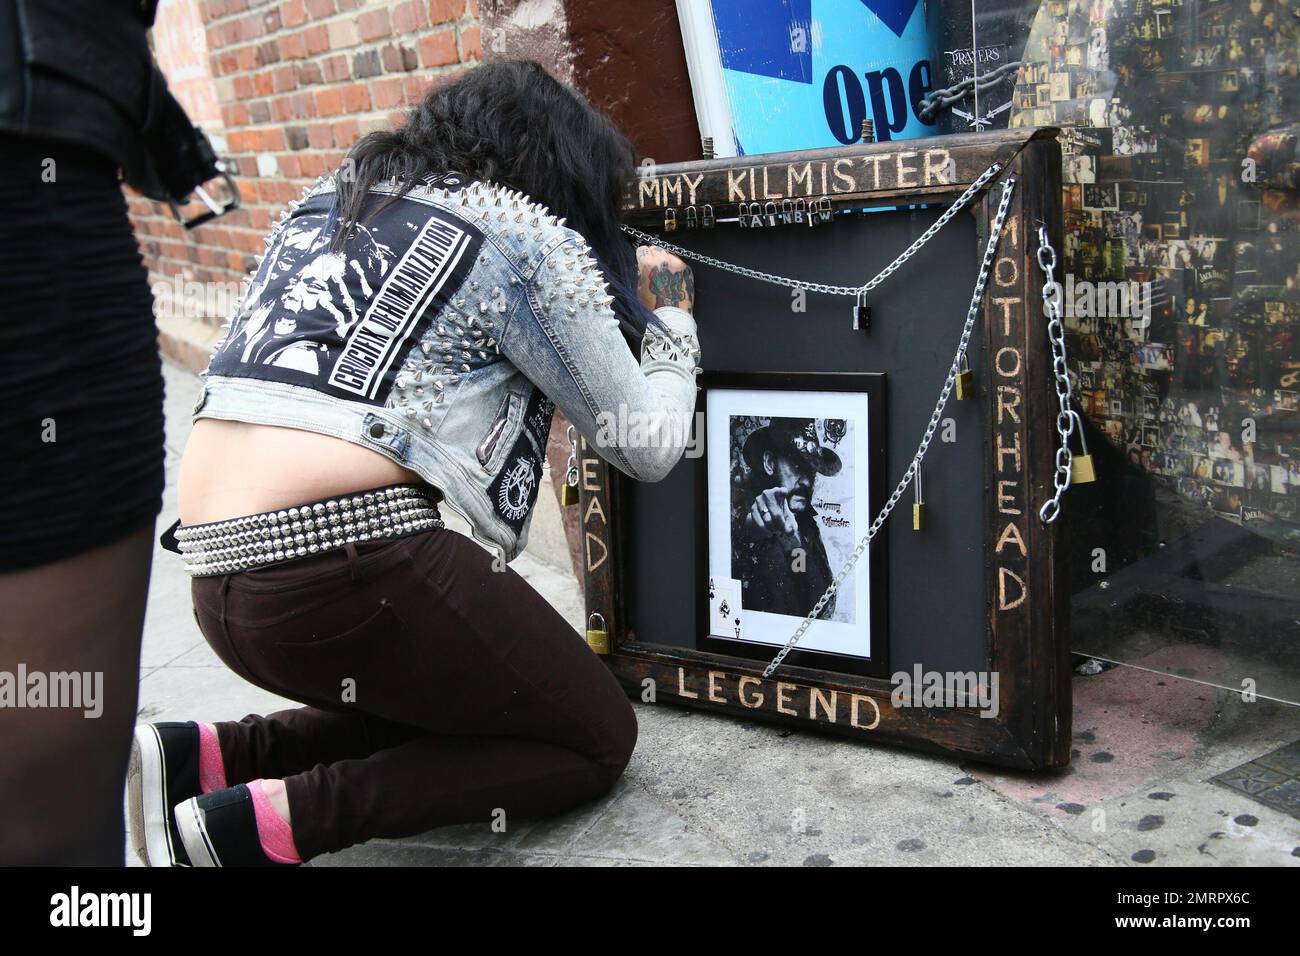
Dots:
{"x": 62, "y": 773}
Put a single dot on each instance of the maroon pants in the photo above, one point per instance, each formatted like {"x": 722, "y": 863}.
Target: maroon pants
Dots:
{"x": 439, "y": 691}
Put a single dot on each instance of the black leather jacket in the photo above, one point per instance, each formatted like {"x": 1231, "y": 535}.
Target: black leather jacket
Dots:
{"x": 81, "y": 72}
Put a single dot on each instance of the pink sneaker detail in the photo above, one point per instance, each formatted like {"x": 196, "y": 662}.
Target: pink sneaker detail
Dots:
{"x": 212, "y": 772}
{"x": 274, "y": 833}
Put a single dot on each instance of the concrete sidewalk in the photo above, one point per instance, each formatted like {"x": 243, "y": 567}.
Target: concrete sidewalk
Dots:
{"x": 709, "y": 790}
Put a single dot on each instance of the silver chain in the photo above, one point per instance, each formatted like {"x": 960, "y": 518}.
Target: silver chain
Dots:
{"x": 941, "y": 99}
{"x": 849, "y": 290}
{"x": 971, "y": 313}
{"x": 571, "y": 474}
{"x": 1051, "y": 509}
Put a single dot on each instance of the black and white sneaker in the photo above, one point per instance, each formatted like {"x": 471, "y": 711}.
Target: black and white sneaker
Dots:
{"x": 220, "y": 829}
{"x": 164, "y": 770}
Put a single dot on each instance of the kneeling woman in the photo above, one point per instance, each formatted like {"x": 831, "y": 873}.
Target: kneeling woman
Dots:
{"x": 403, "y": 344}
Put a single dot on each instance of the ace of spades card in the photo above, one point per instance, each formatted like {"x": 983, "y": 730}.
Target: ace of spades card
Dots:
{"x": 724, "y": 608}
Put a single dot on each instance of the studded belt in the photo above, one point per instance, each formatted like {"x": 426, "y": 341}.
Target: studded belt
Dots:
{"x": 255, "y": 541}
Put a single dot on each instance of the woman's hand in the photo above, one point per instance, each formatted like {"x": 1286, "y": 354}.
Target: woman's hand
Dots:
{"x": 665, "y": 279}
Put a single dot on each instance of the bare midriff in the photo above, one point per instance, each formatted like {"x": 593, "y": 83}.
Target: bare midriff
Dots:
{"x": 232, "y": 469}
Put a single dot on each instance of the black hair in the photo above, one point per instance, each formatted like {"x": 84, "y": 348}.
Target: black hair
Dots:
{"x": 512, "y": 123}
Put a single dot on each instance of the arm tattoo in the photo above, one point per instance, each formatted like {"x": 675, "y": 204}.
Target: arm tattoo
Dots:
{"x": 671, "y": 287}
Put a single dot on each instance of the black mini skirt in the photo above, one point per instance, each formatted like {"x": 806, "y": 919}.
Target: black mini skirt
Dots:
{"x": 81, "y": 389}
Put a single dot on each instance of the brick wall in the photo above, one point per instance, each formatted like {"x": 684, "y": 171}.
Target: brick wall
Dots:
{"x": 295, "y": 83}
{"x": 181, "y": 48}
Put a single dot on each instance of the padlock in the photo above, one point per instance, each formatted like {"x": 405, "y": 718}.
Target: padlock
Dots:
{"x": 1082, "y": 470}
{"x": 707, "y": 220}
{"x": 824, "y": 212}
{"x": 692, "y": 218}
{"x": 861, "y": 313}
{"x": 1081, "y": 467}
{"x": 918, "y": 506}
{"x": 569, "y": 493}
{"x": 597, "y": 637}
{"x": 742, "y": 217}
{"x": 800, "y": 207}
{"x": 770, "y": 217}
{"x": 670, "y": 220}
{"x": 755, "y": 215}
{"x": 965, "y": 380}
{"x": 787, "y": 212}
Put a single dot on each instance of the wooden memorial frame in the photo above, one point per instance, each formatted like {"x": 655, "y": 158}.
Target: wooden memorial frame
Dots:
{"x": 1025, "y": 596}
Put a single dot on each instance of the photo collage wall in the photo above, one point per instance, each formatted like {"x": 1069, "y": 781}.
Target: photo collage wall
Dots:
{"x": 1182, "y": 249}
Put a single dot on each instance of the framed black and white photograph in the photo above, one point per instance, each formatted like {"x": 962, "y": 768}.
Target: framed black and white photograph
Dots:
{"x": 794, "y": 470}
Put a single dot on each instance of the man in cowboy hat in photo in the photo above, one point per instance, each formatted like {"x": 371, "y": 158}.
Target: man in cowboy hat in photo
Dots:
{"x": 777, "y": 550}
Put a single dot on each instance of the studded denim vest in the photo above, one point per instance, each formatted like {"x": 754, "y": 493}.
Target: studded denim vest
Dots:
{"x": 443, "y": 335}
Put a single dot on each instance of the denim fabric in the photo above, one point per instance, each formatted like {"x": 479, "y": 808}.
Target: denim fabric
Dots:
{"x": 443, "y": 335}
